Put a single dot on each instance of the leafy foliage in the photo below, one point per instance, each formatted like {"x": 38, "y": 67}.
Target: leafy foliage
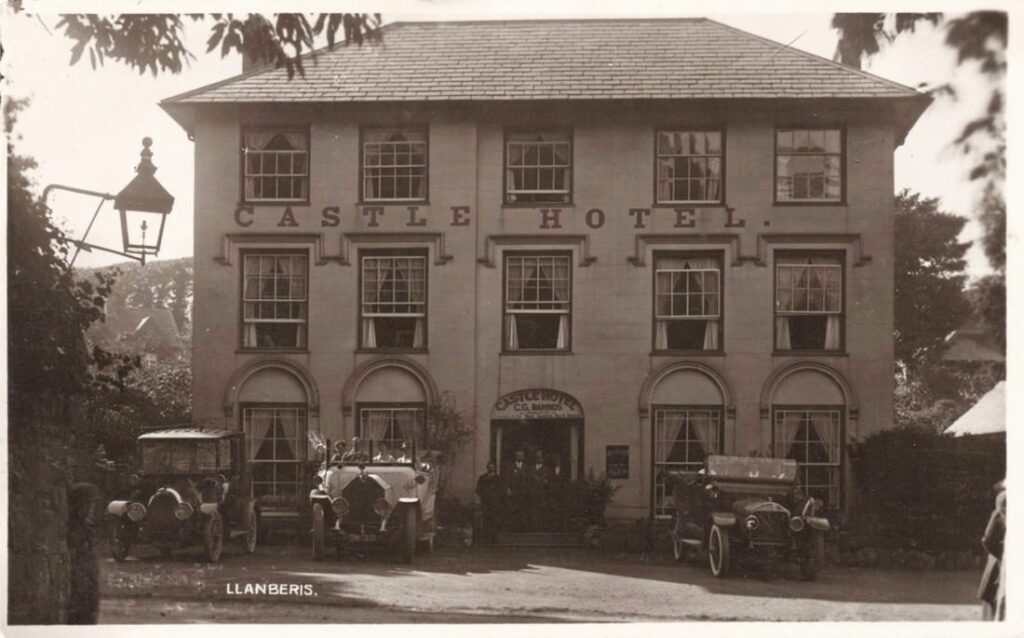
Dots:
{"x": 930, "y": 278}
{"x": 924, "y": 490}
{"x": 153, "y": 42}
{"x": 447, "y": 431}
{"x": 158, "y": 284}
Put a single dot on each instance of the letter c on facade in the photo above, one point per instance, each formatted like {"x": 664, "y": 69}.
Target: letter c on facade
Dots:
{"x": 248, "y": 210}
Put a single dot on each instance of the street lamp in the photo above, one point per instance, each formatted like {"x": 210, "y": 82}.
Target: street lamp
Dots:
{"x": 143, "y": 206}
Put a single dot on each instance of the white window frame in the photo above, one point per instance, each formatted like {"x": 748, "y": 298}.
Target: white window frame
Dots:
{"x": 256, "y": 302}
{"x": 834, "y": 449}
{"x": 663, "y": 155}
{"x": 714, "y": 421}
{"x": 537, "y": 306}
{"x": 367, "y": 314}
{"x": 299, "y": 446}
{"x": 825, "y": 310}
{"x": 377, "y": 143}
{"x": 673, "y": 295}
{"x": 824, "y": 153}
{"x": 521, "y": 140}
{"x": 251, "y": 180}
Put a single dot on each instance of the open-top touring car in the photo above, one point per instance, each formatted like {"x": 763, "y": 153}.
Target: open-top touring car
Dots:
{"x": 371, "y": 497}
{"x": 739, "y": 506}
{"x": 194, "y": 488}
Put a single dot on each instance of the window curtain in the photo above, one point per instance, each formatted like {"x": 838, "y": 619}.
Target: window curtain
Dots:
{"x": 832, "y": 330}
{"x": 833, "y": 322}
{"x": 417, "y": 335}
{"x": 369, "y": 333}
{"x": 823, "y": 425}
{"x": 405, "y": 425}
{"x": 257, "y": 426}
{"x": 257, "y": 140}
{"x": 376, "y": 424}
{"x": 563, "y": 332}
{"x": 782, "y": 341}
{"x": 250, "y": 335}
{"x": 677, "y": 284}
{"x": 513, "y": 333}
{"x": 289, "y": 432}
{"x": 701, "y": 432}
{"x": 790, "y": 422}
{"x": 670, "y": 426}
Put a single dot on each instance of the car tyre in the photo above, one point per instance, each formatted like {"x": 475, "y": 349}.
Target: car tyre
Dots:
{"x": 719, "y": 552}
{"x": 813, "y": 556}
{"x": 678, "y": 546}
{"x": 252, "y": 532}
{"x": 409, "y": 533}
{"x": 319, "y": 531}
{"x": 213, "y": 536}
{"x": 120, "y": 540}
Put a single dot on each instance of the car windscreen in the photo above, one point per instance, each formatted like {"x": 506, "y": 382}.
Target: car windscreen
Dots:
{"x": 179, "y": 456}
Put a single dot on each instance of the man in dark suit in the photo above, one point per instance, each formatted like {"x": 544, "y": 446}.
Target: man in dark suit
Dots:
{"x": 540, "y": 507}
{"x": 517, "y": 488}
{"x": 491, "y": 490}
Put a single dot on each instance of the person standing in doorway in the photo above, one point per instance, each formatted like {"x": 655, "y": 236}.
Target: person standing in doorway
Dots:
{"x": 558, "y": 490}
{"x": 518, "y": 491}
{"x": 540, "y": 506}
{"x": 490, "y": 490}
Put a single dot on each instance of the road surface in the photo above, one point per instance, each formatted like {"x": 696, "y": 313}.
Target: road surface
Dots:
{"x": 522, "y": 585}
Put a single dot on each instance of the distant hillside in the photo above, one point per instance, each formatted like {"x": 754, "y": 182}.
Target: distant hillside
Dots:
{"x": 159, "y": 284}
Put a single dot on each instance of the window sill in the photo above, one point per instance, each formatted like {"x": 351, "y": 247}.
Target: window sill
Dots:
{"x": 392, "y": 351}
{"x": 687, "y": 353}
{"x": 275, "y": 202}
{"x": 535, "y": 353}
{"x": 809, "y": 203}
{"x": 272, "y": 351}
{"x": 670, "y": 205}
{"x": 394, "y": 202}
{"x": 810, "y": 353}
{"x": 539, "y": 205}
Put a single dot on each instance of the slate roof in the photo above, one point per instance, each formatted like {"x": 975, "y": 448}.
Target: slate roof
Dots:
{"x": 987, "y": 416}
{"x": 154, "y": 328}
{"x": 553, "y": 60}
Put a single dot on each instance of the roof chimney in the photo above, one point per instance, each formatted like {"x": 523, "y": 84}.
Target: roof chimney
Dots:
{"x": 845, "y": 56}
{"x": 252, "y": 61}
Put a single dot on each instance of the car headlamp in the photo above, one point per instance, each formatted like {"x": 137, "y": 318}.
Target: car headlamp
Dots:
{"x": 381, "y": 507}
{"x": 751, "y": 523}
{"x": 183, "y": 511}
{"x": 136, "y": 512}
{"x": 339, "y": 506}
{"x": 796, "y": 524}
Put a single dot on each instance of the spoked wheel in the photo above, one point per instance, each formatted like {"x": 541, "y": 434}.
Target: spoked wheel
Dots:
{"x": 678, "y": 546}
{"x": 213, "y": 537}
{"x": 121, "y": 539}
{"x": 813, "y": 556}
{"x": 410, "y": 530}
{"x": 319, "y": 531}
{"x": 252, "y": 532}
{"x": 718, "y": 552}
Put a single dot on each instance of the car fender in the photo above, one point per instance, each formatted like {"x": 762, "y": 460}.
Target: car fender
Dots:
{"x": 818, "y": 523}
{"x": 408, "y": 500}
{"x": 723, "y": 519}
{"x": 319, "y": 495}
{"x": 208, "y": 508}
{"x": 117, "y": 508}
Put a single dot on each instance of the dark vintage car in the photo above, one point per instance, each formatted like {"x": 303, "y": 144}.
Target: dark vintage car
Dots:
{"x": 743, "y": 506}
{"x": 194, "y": 488}
{"x": 375, "y": 498}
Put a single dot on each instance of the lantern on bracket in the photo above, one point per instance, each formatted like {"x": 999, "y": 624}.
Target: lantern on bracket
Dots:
{"x": 143, "y": 206}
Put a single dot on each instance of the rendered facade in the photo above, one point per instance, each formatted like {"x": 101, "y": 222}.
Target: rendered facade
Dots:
{"x": 624, "y": 245}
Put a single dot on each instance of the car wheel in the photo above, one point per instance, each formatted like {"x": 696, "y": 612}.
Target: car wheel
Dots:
{"x": 252, "y": 532}
{"x": 121, "y": 540}
{"x": 213, "y": 537}
{"x": 410, "y": 529}
{"x": 813, "y": 556}
{"x": 678, "y": 546}
{"x": 319, "y": 531}
{"x": 718, "y": 552}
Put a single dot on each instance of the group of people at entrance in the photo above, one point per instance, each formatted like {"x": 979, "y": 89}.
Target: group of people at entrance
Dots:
{"x": 528, "y": 496}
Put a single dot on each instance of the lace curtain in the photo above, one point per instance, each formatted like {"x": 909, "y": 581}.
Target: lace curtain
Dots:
{"x": 711, "y": 326}
{"x": 783, "y": 325}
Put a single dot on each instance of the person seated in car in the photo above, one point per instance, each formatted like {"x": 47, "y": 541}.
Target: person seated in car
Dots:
{"x": 354, "y": 453}
{"x": 384, "y": 454}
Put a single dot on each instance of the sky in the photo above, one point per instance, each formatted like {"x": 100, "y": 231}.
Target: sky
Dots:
{"x": 84, "y": 127}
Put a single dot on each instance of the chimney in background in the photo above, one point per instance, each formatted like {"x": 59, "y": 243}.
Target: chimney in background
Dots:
{"x": 846, "y": 57}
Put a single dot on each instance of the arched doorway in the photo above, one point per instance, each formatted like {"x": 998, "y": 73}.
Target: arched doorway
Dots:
{"x": 548, "y": 422}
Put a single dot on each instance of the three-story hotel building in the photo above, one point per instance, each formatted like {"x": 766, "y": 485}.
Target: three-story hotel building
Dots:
{"x": 622, "y": 244}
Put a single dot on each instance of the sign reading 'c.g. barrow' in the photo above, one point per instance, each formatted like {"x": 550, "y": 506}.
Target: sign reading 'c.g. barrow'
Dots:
{"x": 537, "y": 404}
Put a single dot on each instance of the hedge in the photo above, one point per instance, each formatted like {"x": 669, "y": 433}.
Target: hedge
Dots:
{"x": 925, "y": 491}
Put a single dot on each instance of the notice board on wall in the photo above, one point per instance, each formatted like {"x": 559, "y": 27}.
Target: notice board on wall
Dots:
{"x": 616, "y": 461}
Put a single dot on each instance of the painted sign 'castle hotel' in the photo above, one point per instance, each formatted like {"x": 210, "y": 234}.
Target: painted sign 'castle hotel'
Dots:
{"x": 643, "y": 241}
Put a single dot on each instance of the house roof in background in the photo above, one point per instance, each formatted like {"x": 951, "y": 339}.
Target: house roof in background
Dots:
{"x": 154, "y": 327}
{"x": 987, "y": 416}
{"x": 553, "y": 60}
{"x": 971, "y": 345}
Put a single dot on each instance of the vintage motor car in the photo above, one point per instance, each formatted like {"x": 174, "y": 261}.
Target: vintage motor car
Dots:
{"x": 373, "y": 497}
{"x": 194, "y": 488}
{"x": 745, "y": 506}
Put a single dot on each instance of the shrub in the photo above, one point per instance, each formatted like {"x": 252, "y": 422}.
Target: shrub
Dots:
{"x": 925, "y": 491}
